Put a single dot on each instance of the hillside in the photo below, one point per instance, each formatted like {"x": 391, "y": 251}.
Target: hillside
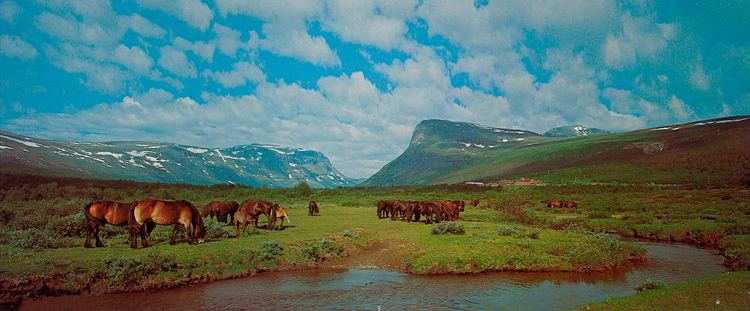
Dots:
{"x": 254, "y": 165}
{"x": 715, "y": 152}
{"x": 574, "y": 131}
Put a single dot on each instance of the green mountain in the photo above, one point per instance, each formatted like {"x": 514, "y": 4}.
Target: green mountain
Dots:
{"x": 574, "y": 131}
{"x": 254, "y": 165}
{"x": 715, "y": 152}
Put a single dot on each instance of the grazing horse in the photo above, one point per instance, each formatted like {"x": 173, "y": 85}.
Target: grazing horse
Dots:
{"x": 452, "y": 209}
{"x": 165, "y": 213}
{"x": 276, "y": 213}
{"x": 384, "y": 208}
{"x": 432, "y": 211}
{"x": 242, "y": 218}
{"x": 474, "y": 203}
{"x": 256, "y": 208}
{"x": 553, "y": 203}
{"x": 312, "y": 209}
{"x": 570, "y": 204}
{"x": 221, "y": 210}
{"x": 100, "y": 213}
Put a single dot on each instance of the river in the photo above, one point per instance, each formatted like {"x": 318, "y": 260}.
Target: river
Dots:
{"x": 389, "y": 290}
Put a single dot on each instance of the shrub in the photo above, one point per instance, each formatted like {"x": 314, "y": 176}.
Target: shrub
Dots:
{"x": 650, "y": 284}
{"x": 6, "y": 217}
{"x": 36, "y": 239}
{"x": 324, "y": 249}
{"x": 532, "y": 234}
{"x": 350, "y": 234}
{"x": 566, "y": 223}
{"x": 216, "y": 229}
{"x": 509, "y": 230}
{"x": 448, "y": 227}
{"x": 127, "y": 270}
{"x": 303, "y": 189}
{"x": 270, "y": 251}
{"x": 69, "y": 226}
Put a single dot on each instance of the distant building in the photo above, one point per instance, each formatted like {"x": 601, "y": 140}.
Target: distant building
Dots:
{"x": 522, "y": 182}
{"x": 481, "y": 184}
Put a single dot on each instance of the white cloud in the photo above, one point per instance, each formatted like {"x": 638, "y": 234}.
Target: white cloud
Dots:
{"x": 285, "y": 28}
{"x": 203, "y": 49}
{"x": 678, "y": 108}
{"x": 87, "y": 32}
{"x": 193, "y": 12}
{"x": 14, "y": 46}
{"x": 699, "y": 79}
{"x": 241, "y": 73}
{"x": 227, "y": 40}
{"x": 367, "y": 22}
{"x": 133, "y": 58}
{"x": 300, "y": 45}
{"x": 9, "y": 10}
{"x": 176, "y": 62}
{"x": 640, "y": 38}
{"x": 144, "y": 27}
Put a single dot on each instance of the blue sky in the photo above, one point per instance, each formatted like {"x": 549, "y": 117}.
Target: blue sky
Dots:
{"x": 352, "y": 78}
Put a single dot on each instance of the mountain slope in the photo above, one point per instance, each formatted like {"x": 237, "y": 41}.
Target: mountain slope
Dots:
{"x": 574, "y": 131}
{"x": 255, "y": 165}
{"x": 715, "y": 152}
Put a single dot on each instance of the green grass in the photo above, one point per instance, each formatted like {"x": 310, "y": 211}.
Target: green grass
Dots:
{"x": 730, "y": 291}
{"x": 510, "y": 230}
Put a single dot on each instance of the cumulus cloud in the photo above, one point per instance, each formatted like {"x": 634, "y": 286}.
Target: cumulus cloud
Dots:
{"x": 681, "y": 111}
{"x": 639, "y": 39}
{"x": 133, "y": 58}
{"x": 9, "y": 10}
{"x": 176, "y": 62}
{"x": 201, "y": 48}
{"x": 367, "y": 22}
{"x": 144, "y": 27}
{"x": 193, "y": 12}
{"x": 699, "y": 79}
{"x": 240, "y": 75}
{"x": 14, "y": 46}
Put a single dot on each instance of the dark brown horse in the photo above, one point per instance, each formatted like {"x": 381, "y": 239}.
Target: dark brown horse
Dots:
{"x": 100, "y": 213}
{"x": 384, "y": 209}
{"x": 165, "y": 213}
{"x": 220, "y": 210}
{"x": 474, "y": 203}
{"x": 256, "y": 208}
{"x": 312, "y": 209}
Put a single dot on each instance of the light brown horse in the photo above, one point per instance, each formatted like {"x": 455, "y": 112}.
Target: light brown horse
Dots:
{"x": 220, "y": 210}
{"x": 165, "y": 213}
{"x": 276, "y": 213}
{"x": 100, "y": 213}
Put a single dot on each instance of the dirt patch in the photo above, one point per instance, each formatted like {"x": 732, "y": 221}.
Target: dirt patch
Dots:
{"x": 378, "y": 254}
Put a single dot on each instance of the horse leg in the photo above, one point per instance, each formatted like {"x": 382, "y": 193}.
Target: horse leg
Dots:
{"x": 237, "y": 228}
{"x": 89, "y": 230}
{"x": 142, "y": 231}
{"x": 189, "y": 232}
{"x": 96, "y": 235}
{"x": 174, "y": 234}
{"x": 133, "y": 235}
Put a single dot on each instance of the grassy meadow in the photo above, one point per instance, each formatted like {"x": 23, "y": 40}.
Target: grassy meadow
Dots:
{"x": 41, "y": 235}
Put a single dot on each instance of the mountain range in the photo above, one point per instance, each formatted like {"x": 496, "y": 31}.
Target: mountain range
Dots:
{"x": 706, "y": 152}
{"x": 255, "y": 164}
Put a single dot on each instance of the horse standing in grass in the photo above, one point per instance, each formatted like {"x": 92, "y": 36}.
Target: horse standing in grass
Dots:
{"x": 276, "y": 213}
{"x": 100, "y": 213}
{"x": 220, "y": 210}
{"x": 160, "y": 212}
{"x": 312, "y": 209}
{"x": 256, "y": 208}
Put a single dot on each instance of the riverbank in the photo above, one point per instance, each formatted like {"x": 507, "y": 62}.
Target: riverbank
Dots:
{"x": 730, "y": 291}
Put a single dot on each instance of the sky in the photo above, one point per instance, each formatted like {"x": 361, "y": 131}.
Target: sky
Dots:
{"x": 352, "y": 78}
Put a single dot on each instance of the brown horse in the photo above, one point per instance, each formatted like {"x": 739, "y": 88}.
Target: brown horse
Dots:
{"x": 312, "y": 209}
{"x": 242, "y": 218}
{"x": 220, "y": 210}
{"x": 100, "y": 213}
{"x": 384, "y": 208}
{"x": 553, "y": 203}
{"x": 165, "y": 213}
{"x": 474, "y": 203}
{"x": 256, "y": 208}
{"x": 276, "y": 213}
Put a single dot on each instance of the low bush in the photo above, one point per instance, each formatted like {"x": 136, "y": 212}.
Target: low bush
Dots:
{"x": 351, "y": 234}
{"x": 216, "y": 229}
{"x": 270, "y": 251}
{"x": 324, "y": 249}
{"x": 36, "y": 239}
{"x": 448, "y": 227}
{"x": 69, "y": 226}
{"x": 509, "y": 230}
{"x": 126, "y": 270}
{"x": 650, "y": 284}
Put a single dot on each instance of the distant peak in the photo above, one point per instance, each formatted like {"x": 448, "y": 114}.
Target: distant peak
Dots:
{"x": 574, "y": 131}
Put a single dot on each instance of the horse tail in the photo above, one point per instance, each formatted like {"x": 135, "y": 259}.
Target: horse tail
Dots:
{"x": 90, "y": 217}
{"x": 197, "y": 221}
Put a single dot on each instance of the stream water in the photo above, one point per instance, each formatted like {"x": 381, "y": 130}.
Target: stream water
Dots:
{"x": 389, "y": 290}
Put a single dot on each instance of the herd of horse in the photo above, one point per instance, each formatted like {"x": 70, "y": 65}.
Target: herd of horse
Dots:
{"x": 141, "y": 217}
{"x": 433, "y": 211}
